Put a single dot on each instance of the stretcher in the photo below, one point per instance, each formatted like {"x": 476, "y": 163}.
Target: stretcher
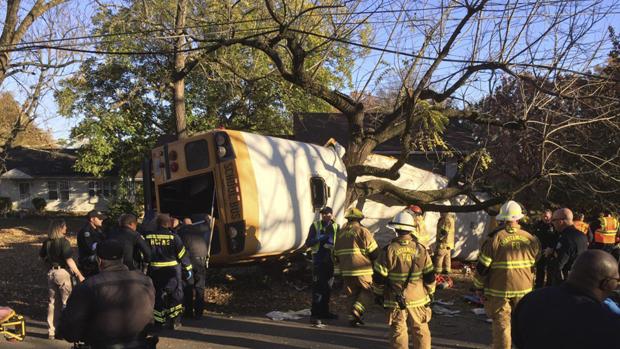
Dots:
{"x": 12, "y": 325}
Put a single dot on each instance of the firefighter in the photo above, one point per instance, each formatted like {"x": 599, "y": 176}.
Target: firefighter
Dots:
{"x": 321, "y": 242}
{"x": 405, "y": 282}
{"x": 444, "y": 243}
{"x": 168, "y": 266}
{"x": 581, "y": 225}
{"x": 420, "y": 224}
{"x": 110, "y": 309}
{"x": 87, "y": 239}
{"x": 355, "y": 249}
{"x": 505, "y": 270}
{"x": 605, "y": 230}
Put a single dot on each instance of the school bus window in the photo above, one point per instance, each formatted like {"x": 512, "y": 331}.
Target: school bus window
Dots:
{"x": 319, "y": 192}
{"x": 197, "y": 155}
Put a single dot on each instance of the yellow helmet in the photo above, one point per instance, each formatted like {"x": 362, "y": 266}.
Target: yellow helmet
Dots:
{"x": 354, "y": 213}
{"x": 510, "y": 211}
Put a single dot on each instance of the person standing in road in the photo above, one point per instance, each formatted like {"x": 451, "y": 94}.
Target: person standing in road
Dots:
{"x": 135, "y": 249}
{"x": 355, "y": 249}
{"x": 404, "y": 282}
{"x": 87, "y": 239}
{"x": 572, "y": 315}
{"x": 168, "y": 267}
{"x": 582, "y": 226}
{"x": 110, "y": 309}
{"x": 543, "y": 230}
{"x": 444, "y": 243}
{"x": 505, "y": 271}
{"x": 605, "y": 231}
{"x": 195, "y": 240}
{"x": 320, "y": 240}
{"x": 57, "y": 254}
{"x": 572, "y": 243}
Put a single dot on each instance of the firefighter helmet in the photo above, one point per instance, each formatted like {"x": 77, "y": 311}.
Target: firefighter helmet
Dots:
{"x": 403, "y": 221}
{"x": 415, "y": 209}
{"x": 354, "y": 213}
{"x": 510, "y": 211}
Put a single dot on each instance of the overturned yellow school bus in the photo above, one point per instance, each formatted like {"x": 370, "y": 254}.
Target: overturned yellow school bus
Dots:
{"x": 263, "y": 192}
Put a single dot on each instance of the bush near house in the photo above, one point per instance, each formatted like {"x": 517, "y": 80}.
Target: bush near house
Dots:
{"x": 39, "y": 204}
{"x": 5, "y": 205}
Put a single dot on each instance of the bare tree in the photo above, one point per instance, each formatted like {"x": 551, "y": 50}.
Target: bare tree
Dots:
{"x": 448, "y": 52}
{"x": 33, "y": 70}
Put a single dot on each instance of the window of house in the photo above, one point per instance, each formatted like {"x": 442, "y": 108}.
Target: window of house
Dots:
{"x": 24, "y": 191}
{"x": 52, "y": 190}
{"x": 58, "y": 190}
{"x": 107, "y": 189}
{"x": 63, "y": 186}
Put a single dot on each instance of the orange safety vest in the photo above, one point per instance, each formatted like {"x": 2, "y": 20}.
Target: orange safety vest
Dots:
{"x": 582, "y": 226}
{"x": 606, "y": 234}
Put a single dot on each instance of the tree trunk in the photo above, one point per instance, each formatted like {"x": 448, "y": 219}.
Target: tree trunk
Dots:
{"x": 179, "y": 65}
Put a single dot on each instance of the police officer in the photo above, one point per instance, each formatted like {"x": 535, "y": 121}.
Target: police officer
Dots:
{"x": 135, "y": 249}
{"x": 320, "y": 240}
{"x": 355, "y": 249}
{"x": 110, "y": 309}
{"x": 168, "y": 267}
{"x": 195, "y": 239}
{"x": 405, "y": 283}
{"x": 544, "y": 231}
{"x": 87, "y": 239}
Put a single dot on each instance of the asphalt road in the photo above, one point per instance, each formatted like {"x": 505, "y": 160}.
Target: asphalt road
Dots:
{"x": 226, "y": 331}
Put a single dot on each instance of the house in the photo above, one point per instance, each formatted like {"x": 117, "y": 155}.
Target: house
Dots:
{"x": 50, "y": 174}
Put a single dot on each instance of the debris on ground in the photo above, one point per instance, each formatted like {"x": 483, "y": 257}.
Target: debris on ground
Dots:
{"x": 443, "y": 282}
{"x": 439, "y": 310}
{"x": 478, "y": 311}
{"x": 442, "y": 302}
{"x": 289, "y": 315}
{"x": 473, "y": 299}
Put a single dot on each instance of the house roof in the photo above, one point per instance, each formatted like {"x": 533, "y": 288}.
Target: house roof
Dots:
{"x": 318, "y": 128}
{"x": 42, "y": 162}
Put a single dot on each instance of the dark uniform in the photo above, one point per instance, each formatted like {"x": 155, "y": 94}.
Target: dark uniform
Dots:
{"x": 548, "y": 239}
{"x": 194, "y": 238}
{"x": 87, "y": 238}
{"x": 135, "y": 248}
{"x": 571, "y": 244}
{"x": 110, "y": 309}
{"x": 169, "y": 261}
{"x": 564, "y": 317}
{"x": 321, "y": 242}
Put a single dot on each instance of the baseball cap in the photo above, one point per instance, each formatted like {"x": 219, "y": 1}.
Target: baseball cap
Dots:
{"x": 326, "y": 210}
{"x": 110, "y": 250}
{"x": 95, "y": 213}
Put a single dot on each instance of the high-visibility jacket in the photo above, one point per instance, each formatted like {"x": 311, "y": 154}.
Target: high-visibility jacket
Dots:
{"x": 392, "y": 267}
{"x": 506, "y": 262}
{"x": 445, "y": 232}
{"x": 582, "y": 226}
{"x": 606, "y": 234}
{"x": 355, "y": 248}
{"x": 318, "y": 229}
{"x": 167, "y": 250}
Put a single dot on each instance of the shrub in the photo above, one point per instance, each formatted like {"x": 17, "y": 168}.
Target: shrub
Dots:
{"x": 39, "y": 204}
{"x": 5, "y": 205}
